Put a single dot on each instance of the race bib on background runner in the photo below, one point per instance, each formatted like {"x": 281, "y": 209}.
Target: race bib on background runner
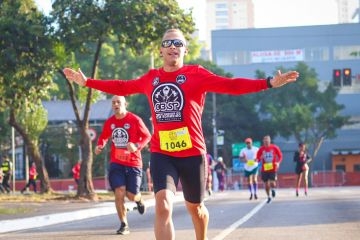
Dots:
{"x": 122, "y": 154}
{"x": 268, "y": 166}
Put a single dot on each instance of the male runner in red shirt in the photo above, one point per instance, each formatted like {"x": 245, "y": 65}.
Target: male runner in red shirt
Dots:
{"x": 128, "y": 135}
{"x": 176, "y": 94}
{"x": 270, "y": 157}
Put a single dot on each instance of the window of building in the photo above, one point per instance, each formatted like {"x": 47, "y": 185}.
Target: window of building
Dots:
{"x": 221, "y": 20}
{"x": 356, "y": 167}
{"x": 221, "y": 26}
{"x": 220, "y": 5}
{"x": 224, "y": 58}
{"x": 347, "y": 52}
{"x": 317, "y": 54}
{"x": 340, "y": 168}
{"x": 232, "y": 58}
{"x": 221, "y": 13}
{"x": 241, "y": 58}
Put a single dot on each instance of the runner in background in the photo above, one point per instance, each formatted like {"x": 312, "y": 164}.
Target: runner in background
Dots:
{"x": 270, "y": 156}
{"x": 248, "y": 155}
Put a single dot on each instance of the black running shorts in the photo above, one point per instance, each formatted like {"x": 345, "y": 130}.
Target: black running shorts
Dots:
{"x": 192, "y": 171}
{"x": 268, "y": 176}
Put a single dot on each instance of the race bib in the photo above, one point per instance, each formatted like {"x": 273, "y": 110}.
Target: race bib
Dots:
{"x": 268, "y": 166}
{"x": 175, "y": 140}
{"x": 122, "y": 154}
{"x": 250, "y": 163}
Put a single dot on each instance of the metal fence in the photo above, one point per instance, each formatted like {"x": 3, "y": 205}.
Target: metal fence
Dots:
{"x": 237, "y": 180}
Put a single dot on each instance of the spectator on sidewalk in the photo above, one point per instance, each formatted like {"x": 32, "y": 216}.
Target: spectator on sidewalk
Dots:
{"x": 302, "y": 158}
{"x": 209, "y": 180}
{"x": 2, "y": 189}
{"x": 7, "y": 173}
{"x": 76, "y": 172}
{"x": 220, "y": 169}
{"x": 32, "y": 178}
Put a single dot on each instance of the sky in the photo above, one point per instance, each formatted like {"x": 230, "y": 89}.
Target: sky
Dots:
{"x": 277, "y": 13}
{"x": 268, "y": 13}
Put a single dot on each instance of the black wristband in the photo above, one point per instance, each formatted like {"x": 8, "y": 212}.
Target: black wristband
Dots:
{"x": 268, "y": 82}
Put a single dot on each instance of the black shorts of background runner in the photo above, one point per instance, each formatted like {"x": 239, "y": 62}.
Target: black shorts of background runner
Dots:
{"x": 192, "y": 171}
{"x": 266, "y": 176}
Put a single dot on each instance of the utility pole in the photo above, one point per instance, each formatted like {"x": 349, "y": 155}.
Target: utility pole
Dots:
{"x": 214, "y": 125}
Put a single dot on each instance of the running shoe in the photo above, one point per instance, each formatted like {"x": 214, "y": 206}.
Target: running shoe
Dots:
{"x": 251, "y": 196}
{"x": 297, "y": 193}
{"x": 305, "y": 193}
{"x": 123, "y": 230}
{"x": 269, "y": 200}
{"x": 140, "y": 206}
{"x": 273, "y": 193}
{"x": 255, "y": 196}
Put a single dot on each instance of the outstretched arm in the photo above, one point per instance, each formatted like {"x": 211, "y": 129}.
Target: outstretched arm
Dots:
{"x": 284, "y": 78}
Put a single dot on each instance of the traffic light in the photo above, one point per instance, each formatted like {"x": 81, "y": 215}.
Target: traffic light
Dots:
{"x": 347, "y": 76}
{"x": 337, "y": 77}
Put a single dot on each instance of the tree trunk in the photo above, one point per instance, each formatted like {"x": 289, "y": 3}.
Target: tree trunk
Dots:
{"x": 317, "y": 146}
{"x": 34, "y": 153}
{"x": 86, "y": 187}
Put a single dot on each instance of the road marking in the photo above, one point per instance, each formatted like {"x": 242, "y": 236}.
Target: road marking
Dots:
{"x": 239, "y": 222}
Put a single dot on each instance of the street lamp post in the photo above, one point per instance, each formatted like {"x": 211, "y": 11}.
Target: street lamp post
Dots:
{"x": 214, "y": 125}
{"x": 13, "y": 156}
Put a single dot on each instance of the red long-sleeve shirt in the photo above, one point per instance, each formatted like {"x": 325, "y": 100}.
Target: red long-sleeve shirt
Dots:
{"x": 270, "y": 157}
{"x": 76, "y": 170}
{"x": 131, "y": 128}
{"x": 177, "y": 101}
{"x": 32, "y": 173}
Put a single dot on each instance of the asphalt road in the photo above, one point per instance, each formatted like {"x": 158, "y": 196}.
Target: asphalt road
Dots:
{"x": 326, "y": 213}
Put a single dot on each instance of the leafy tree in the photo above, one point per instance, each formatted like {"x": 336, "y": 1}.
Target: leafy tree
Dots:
{"x": 26, "y": 65}
{"x": 302, "y": 110}
{"x": 5, "y": 132}
{"x": 85, "y": 26}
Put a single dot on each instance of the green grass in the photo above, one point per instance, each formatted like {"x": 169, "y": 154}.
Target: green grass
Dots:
{"x": 55, "y": 196}
{"x": 12, "y": 211}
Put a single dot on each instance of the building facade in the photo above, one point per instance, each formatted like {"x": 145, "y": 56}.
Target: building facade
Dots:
{"x": 228, "y": 14}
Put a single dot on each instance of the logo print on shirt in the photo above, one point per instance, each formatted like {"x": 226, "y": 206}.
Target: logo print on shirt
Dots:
{"x": 120, "y": 137}
{"x": 168, "y": 102}
{"x": 156, "y": 81}
{"x": 127, "y": 126}
{"x": 268, "y": 156}
{"x": 180, "y": 79}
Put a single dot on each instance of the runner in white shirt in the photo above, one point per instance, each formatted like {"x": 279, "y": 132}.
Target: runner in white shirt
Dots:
{"x": 248, "y": 155}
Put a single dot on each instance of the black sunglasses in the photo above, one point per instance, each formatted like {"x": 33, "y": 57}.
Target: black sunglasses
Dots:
{"x": 175, "y": 42}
